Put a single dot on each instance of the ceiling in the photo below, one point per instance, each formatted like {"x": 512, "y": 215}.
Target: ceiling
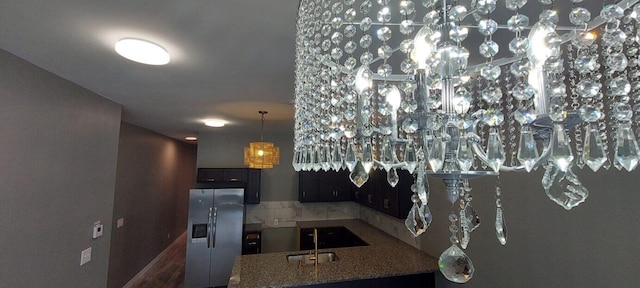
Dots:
{"x": 229, "y": 59}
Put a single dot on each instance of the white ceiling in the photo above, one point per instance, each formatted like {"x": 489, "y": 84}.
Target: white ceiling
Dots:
{"x": 229, "y": 58}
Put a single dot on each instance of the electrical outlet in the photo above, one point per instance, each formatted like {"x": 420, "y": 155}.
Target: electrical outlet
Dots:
{"x": 120, "y": 223}
{"x": 168, "y": 235}
{"x": 276, "y": 221}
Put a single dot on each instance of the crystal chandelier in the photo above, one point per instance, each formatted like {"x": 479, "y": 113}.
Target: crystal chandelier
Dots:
{"x": 261, "y": 154}
{"x": 463, "y": 89}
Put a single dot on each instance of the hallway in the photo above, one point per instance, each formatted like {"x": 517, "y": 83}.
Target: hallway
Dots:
{"x": 168, "y": 271}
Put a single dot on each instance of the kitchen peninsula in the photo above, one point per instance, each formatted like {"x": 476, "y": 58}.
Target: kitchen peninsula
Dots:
{"x": 384, "y": 258}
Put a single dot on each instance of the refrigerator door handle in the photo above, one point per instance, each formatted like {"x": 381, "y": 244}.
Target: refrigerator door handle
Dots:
{"x": 213, "y": 227}
{"x": 209, "y": 228}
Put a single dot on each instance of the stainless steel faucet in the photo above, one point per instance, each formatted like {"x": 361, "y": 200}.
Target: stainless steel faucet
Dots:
{"x": 314, "y": 257}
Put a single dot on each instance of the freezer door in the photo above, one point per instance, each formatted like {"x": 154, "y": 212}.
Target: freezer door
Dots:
{"x": 199, "y": 233}
{"x": 227, "y": 239}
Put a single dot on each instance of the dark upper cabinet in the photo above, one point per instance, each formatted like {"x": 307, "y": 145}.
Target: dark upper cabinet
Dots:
{"x": 377, "y": 194}
{"x": 242, "y": 177}
{"x": 369, "y": 193}
{"x": 395, "y": 201}
{"x": 252, "y": 192}
{"x": 324, "y": 186}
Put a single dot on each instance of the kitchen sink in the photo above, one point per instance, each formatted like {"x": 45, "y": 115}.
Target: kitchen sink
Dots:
{"x": 323, "y": 257}
{"x": 329, "y": 237}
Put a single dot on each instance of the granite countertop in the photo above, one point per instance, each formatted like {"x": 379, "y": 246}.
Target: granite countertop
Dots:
{"x": 385, "y": 256}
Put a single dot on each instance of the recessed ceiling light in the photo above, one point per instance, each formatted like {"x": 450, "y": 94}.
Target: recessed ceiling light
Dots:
{"x": 142, "y": 51}
{"x": 191, "y": 138}
{"x": 214, "y": 123}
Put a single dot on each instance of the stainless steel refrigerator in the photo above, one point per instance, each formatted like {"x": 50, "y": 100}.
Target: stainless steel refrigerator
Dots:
{"x": 214, "y": 236}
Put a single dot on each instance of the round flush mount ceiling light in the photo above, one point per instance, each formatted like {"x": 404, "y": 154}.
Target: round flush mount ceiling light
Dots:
{"x": 142, "y": 51}
{"x": 214, "y": 123}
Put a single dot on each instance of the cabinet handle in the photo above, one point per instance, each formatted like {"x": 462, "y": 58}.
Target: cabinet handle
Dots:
{"x": 234, "y": 179}
{"x": 304, "y": 194}
{"x": 369, "y": 198}
{"x": 386, "y": 204}
{"x": 211, "y": 180}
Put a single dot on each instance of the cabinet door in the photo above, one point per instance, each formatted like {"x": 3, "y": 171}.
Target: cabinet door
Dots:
{"x": 396, "y": 201}
{"x": 324, "y": 186}
{"x": 252, "y": 190}
{"x": 369, "y": 191}
{"x": 210, "y": 175}
{"x": 308, "y": 186}
{"x": 334, "y": 186}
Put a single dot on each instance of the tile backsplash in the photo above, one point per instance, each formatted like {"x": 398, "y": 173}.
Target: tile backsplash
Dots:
{"x": 275, "y": 214}
{"x": 286, "y": 213}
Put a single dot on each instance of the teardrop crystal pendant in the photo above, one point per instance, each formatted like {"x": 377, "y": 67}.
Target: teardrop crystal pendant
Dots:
{"x": 593, "y": 153}
{"x": 392, "y": 177}
{"x": 465, "y": 155}
{"x": 336, "y": 157}
{"x": 367, "y": 155}
{"x": 627, "y": 151}
{"x": 297, "y": 156}
{"x": 527, "y": 150}
{"x": 410, "y": 157}
{"x": 495, "y": 151}
{"x": 359, "y": 175}
{"x": 501, "y": 227}
{"x": 455, "y": 265}
{"x": 387, "y": 154}
{"x": 561, "y": 155}
{"x": 436, "y": 155}
{"x": 350, "y": 157}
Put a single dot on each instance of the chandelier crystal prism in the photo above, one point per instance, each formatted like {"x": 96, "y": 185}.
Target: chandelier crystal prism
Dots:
{"x": 461, "y": 89}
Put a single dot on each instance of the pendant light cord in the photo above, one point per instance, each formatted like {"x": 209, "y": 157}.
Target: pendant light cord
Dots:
{"x": 262, "y": 127}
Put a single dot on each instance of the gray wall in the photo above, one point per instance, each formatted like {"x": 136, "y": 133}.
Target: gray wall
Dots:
{"x": 594, "y": 245}
{"x": 225, "y": 150}
{"x": 153, "y": 179}
{"x": 58, "y": 148}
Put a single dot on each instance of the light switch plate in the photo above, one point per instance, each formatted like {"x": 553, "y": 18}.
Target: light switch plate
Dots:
{"x": 85, "y": 256}
{"x": 120, "y": 223}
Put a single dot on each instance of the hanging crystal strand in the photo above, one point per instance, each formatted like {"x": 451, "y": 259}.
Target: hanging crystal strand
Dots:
{"x": 469, "y": 219}
{"x": 419, "y": 217}
{"x": 518, "y": 88}
{"x": 633, "y": 71}
{"x": 614, "y": 63}
{"x": 632, "y": 52}
{"x": 578, "y": 16}
{"x": 454, "y": 264}
{"x": 500, "y": 224}
{"x": 575, "y": 103}
{"x": 593, "y": 151}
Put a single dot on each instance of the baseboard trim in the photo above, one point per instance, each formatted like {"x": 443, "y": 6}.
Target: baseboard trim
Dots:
{"x": 154, "y": 261}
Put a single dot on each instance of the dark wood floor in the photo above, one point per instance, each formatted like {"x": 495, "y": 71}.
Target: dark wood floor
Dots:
{"x": 168, "y": 271}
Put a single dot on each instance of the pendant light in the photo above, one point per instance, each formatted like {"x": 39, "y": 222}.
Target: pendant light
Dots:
{"x": 261, "y": 154}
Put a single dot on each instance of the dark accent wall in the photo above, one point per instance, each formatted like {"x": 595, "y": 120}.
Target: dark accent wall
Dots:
{"x": 58, "y": 153}
{"x": 153, "y": 178}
